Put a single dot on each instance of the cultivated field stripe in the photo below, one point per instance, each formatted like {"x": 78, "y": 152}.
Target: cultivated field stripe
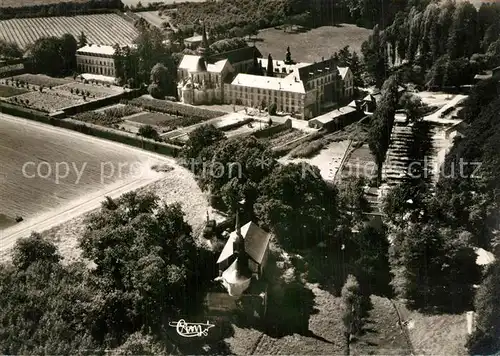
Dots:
{"x": 30, "y": 33}
{"x": 7, "y": 35}
{"x": 106, "y": 29}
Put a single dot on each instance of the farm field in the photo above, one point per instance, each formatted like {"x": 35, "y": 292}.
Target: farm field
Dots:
{"x": 38, "y": 146}
{"x": 312, "y": 45}
{"x": 105, "y": 29}
{"x": 152, "y": 17}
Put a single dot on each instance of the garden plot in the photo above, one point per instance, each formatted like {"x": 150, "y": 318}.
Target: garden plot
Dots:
{"x": 47, "y": 101}
{"x": 40, "y": 80}
{"x": 90, "y": 90}
{"x": 7, "y": 91}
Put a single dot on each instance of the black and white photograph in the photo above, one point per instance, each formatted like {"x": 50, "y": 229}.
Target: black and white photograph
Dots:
{"x": 250, "y": 177}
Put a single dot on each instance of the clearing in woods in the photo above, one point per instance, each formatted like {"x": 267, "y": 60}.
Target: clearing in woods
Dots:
{"x": 311, "y": 45}
{"x": 103, "y": 29}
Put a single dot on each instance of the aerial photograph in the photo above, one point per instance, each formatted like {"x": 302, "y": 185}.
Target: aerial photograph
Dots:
{"x": 250, "y": 177}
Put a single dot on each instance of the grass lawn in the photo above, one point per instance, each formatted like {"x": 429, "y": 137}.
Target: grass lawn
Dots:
{"x": 7, "y": 91}
{"x": 382, "y": 333}
{"x": 444, "y": 334}
{"x": 40, "y": 79}
{"x": 312, "y": 45}
{"x": 152, "y": 118}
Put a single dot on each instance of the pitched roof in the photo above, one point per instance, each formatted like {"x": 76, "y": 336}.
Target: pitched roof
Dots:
{"x": 256, "y": 242}
{"x": 279, "y": 64}
{"x": 311, "y": 70}
{"x": 97, "y": 49}
{"x": 218, "y": 66}
{"x": 237, "y": 55}
{"x": 197, "y": 38}
{"x": 192, "y": 63}
{"x": 332, "y": 115}
{"x": 343, "y": 71}
{"x": 287, "y": 84}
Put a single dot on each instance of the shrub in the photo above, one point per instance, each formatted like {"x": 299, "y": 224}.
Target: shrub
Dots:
{"x": 155, "y": 91}
{"x": 272, "y": 108}
{"x": 148, "y": 131}
{"x": 307, "y": 150}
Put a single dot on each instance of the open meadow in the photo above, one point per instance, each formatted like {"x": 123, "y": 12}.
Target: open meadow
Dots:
{"x": 104, "y": 29}
{"x": 311, "y": 45}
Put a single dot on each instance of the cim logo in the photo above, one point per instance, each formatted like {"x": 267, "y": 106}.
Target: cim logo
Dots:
{"x": 191, "y": 329}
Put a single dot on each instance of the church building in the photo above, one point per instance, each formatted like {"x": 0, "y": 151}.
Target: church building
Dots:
{"x": 243, "y": 258}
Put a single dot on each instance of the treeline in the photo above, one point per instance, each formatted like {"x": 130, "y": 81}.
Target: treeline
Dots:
{"x": 442, "y": 44}
{"x": 231, "y": 15}
{"x": 61, "y": 9}
{"x": 435, "y": 231}
{"x": 148, "y": 271}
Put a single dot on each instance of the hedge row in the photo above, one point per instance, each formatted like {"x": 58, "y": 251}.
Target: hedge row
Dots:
{"x": 93, "y": 130}
{"x": 174, "y": 108}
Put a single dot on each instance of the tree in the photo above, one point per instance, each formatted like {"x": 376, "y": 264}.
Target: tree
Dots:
{"x": 463, "y": 41}
{"x": 46, "y": 57}
{"x": 10, "y": 50}
{"x": 34, "y": 249}
{"x": 486, "y": 338}
{"x": 281, "y": 207}
{"x": 155, "y": 91}
{"x": 434, "y": 268}
{"x": 148, "y": 131}
{"x": 269, "y": 69}
{"x": 144, "y": 253}
{"x": 159, "y": 76}
{"x": 413, "y": 105}
{"x": 352, "y": 199}
{"x": 271, "y": 109}
{"x": 82, "y": 40}
{"x": 369, "y": 256}
{"x": 150, "y": 50}
{"x": 381, "y": 123}
{"x": 245, "y": 160}
{"x": 352, "y": 307}
{"x": 375, "y": 56}
{"x": 200, "y": 138}
{"x": 68, "y": 49}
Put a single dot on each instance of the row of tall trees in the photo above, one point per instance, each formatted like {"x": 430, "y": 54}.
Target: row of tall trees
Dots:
{"x": 435, "y": 230}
